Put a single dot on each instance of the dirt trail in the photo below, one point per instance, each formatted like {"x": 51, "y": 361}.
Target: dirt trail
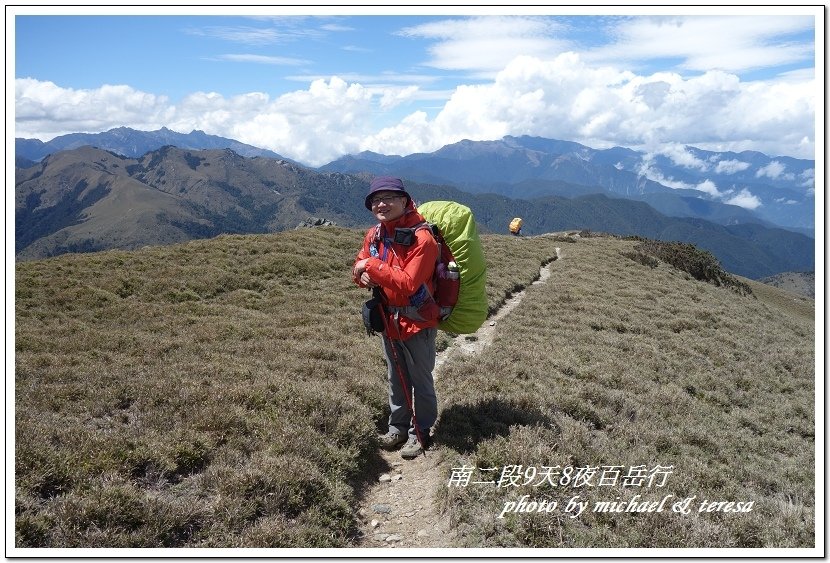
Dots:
{"x": 399, "y": 510}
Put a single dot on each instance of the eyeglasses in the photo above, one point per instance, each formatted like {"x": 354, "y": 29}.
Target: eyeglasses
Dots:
{"x": 387, "y": 199}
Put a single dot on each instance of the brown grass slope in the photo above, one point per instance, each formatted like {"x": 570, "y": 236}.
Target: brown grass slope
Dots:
{"x": 613, "y": 364}
{"x": 223, "y": 393}
{"x": 220, "y": 393}
{"x": 802, "y": 283}
{"x": 77, "y": 200}
{"x": 89, "y": 199}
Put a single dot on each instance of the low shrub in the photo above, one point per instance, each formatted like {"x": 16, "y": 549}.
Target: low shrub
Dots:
{"x": 700, "y": 264}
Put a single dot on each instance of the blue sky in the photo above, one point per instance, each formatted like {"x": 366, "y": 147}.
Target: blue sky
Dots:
{"x": 312, "y": 86}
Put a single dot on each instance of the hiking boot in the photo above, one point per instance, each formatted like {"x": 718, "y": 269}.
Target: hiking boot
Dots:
{"x": 412, "y": 449}
{"x": 391, "y": 440}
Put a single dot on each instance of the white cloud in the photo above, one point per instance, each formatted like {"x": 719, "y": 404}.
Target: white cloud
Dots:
{"x": 369, "y": 80}
{"x": 808, "y": 180}
{"x": 262, "y": 59}
{"x": 486, "y": 44}
{"x": 772, "y": 170}
{"x": 744, "y": 199}
{"x": 705, "y": 43}
{"x": 44, "y": 110}
{"x": 392, "y": 97}
{"x": 683, "y": 157}
{"x": 561, "y": 97}
{"x": 313, "y": 126}
{"x": 648, "y": 170}
{"x": 277, "y": 30}
{"x": 407, "y": 137}
{"x": 336, "y": 27}
{"x": 598, "y": 106}
{"x": 356, "y": 49}
{"x": 709, "y": 187}
{"x": 240, "y": 34}
{"x": 731, "y": 166}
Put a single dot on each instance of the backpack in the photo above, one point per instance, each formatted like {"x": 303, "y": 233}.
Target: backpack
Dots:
{"x": 463, "y": 301}
{"x": 516, "y": 225}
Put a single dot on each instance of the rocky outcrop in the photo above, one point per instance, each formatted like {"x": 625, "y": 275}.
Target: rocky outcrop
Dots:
{"x": 315, "y": 222}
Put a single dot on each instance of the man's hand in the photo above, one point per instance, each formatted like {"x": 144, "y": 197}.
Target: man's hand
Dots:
{"x": 366, "y": 280}
{"x": 360, "y": 273}
{"x": 359, "y": 268}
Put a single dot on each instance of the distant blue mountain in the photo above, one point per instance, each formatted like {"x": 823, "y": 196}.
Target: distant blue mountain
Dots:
{"x": 527, "y": 167}
{"x": 133, "y": 144}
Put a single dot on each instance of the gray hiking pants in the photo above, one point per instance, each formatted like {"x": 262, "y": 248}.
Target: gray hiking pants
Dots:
{"x": 417, "y": 358}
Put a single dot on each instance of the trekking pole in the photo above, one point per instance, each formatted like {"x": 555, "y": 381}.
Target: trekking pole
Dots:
{"x": 406, "y": 387}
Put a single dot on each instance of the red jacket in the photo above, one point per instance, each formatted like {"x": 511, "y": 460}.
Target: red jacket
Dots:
{"x": 403, "y": 271}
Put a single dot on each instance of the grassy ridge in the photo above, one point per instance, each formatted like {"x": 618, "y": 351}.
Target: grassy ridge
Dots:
{"x": 615, "y": 363}
{"x": 219, "y": 393}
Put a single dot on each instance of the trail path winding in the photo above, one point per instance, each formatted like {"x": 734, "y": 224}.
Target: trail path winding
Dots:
{"x": 400, "y": 508}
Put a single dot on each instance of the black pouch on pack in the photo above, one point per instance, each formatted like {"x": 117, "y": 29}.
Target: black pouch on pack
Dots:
{"x": 404, "y": 236}
{"x": 372, "y": 319}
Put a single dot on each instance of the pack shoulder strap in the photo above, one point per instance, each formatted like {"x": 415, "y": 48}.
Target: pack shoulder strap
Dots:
{"x": 376, "y": 238}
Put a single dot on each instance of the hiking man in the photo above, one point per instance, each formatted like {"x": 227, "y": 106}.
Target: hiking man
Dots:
{"x": 397, "y": 261}
{"x": 516, "y": 226}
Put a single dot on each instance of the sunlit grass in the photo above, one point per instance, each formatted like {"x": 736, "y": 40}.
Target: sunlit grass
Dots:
{"x": 223, "y": 393}
{"x": 616, "y": 363}
{"x": 220, "y": 393}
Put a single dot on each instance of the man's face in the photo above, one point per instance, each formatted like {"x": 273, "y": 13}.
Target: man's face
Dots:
{"x": 388, "y": 206}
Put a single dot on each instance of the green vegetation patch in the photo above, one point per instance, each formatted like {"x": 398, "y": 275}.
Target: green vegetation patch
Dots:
{"x": 700, "y": 264}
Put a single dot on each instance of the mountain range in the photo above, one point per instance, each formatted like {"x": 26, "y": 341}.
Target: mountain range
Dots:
{"x": 87, "y": 198}
{"x": 133, "y": 143}
{"x": 706, "y": 185}
{"x": 727, "y": 188}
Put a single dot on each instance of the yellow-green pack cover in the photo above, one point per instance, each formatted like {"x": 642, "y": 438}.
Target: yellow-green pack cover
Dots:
{"x": 458, "y": 227}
